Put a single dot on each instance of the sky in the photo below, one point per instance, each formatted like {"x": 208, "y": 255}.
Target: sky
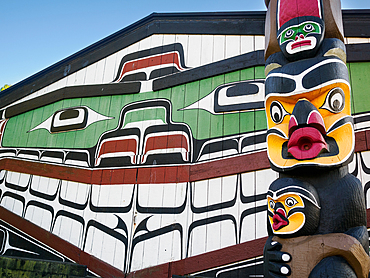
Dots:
{"x": 36, "y": 34}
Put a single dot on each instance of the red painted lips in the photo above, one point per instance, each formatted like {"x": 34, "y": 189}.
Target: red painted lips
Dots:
{"x": 301, "y": 43}
{"x": 279, "y": 219}
{"x": 306, "y": 143}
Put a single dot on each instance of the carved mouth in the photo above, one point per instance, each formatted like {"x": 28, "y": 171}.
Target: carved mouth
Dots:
{"x": 306, "y": 143}
{"x": 279, "y": 219}
{"x": 301, "y": 43}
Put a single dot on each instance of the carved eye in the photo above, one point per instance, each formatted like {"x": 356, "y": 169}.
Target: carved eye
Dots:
{"x": 277, "y": 112}
{"x": 308, "y": 28}
{"x": 290, "y": 201}
{"x": 334, "y": 101}
{"x": 289, "y": 34}
{"x": 272, "y": 204}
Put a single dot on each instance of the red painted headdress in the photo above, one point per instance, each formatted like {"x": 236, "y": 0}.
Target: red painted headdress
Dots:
{"x": 289, "y": 9}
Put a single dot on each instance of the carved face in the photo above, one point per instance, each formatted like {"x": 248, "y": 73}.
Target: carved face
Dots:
{"x": 309, "y": 124}
{"x": 300, "y": 28}
{"x": 293, "y": 208}
{"x": 300, "y": 40}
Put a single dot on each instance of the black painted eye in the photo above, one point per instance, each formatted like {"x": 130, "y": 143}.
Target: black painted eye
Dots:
{"x": 290, "y": 201}
{"x": 272, "y": 204}
{"x": 334, "y": 101}
{"x": 289, "y": 33}
{"x": 308, "y": 28}
{"x": 277, "y": 112}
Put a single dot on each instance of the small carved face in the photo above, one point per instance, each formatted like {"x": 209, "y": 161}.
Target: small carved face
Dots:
{"x": 293, "y": 208}
{"x": 301, "y": 40}
{"x": 300, "y": 28}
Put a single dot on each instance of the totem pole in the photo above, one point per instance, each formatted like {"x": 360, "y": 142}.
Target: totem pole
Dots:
{"x": 316, "y": 215}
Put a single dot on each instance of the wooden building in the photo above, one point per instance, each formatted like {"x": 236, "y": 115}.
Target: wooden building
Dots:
{"x": 144, "y": 154}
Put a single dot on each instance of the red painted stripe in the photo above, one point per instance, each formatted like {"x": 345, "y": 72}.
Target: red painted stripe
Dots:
{"x": 169, "y": 58}
{"x": 182, "y": 173}
{"x": 166, "y": 142}
{"x": 124, "y": 145}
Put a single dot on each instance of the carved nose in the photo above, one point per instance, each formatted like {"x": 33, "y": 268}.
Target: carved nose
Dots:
{"x": 299, "y": 36}
{"x": 306, "y": 114}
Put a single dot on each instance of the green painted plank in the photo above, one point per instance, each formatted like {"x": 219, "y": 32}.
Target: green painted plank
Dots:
{"x": 360, "y": 77}
{"x": 247, "y": 74}
{"x": 191, "y": 116}
{"x": 259, "y": 72}
{"x": 217, "y": 120}
{"x": 204, "y": 123}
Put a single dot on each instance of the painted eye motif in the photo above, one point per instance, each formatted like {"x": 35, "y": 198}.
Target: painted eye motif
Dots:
{"x": 277, "y": 112}
{"x": 308, "y": 28}
{"x": 69, "y": 119}
{"x": 334, "y": 101}
{"x": 272, "y": 204}
{"x": 289, "y": 34}
{"x": 290, "y": 201}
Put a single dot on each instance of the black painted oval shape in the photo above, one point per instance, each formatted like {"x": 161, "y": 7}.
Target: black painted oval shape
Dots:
{"x": 280, "y": 85}
{"x": 325, "y": 73}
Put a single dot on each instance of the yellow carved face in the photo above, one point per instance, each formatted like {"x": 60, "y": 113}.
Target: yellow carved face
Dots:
{"x": 311, "y": 128}
{"x": 284, "y": 218}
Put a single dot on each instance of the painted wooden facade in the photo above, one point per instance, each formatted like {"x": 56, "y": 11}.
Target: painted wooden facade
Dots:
{"x": 145, "y": 154}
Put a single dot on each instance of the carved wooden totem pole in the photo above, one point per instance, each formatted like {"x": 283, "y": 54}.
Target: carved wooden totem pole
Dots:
{"x": 316, "y": 210}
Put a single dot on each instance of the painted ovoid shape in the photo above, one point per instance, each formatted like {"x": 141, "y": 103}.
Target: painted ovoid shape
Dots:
{"x": 293, "y": 208}
{"x": 309, "y": 115}
{"x": 299, "y": 36}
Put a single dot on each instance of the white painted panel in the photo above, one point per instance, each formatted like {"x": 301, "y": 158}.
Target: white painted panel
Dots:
{"x": 110, "y": 68}
{"x": 183, "y": 39}
{"x": 112, "y": 195}
{"x": 71, "y": 79}
{"x": 230, "y": 192}
{"x": 261, "y": 222}
{"x": 200, "y": 193}
{"x": 263, "y": 180}
{"x": 352, "y": 165}
{"x": 248, "y": 225}
{"x": 99, "y": 72}
{"x": 247, "y": 44}
{"x": 161, "y": 195}
{"x": 248, "y": 230}
{"x": 151, "y": 254}
{"x": 197, "y": 244}
{"x": 44, "y": 185}
{"x": 232, "y": 46}
{"x": 228, "y": 236}
{"x": 206, "y": 50}
{"x": 218, "y": 48}
{"x": 90, "y": 74}
{"x": 74, "y": 191}
{"x": 365, "y": 178}
{"x": 18, "y": 179}
{"x": 80, "y": 77}
{"x": 68, "y": 229}
{"x": 39, "y": 217}
{"x": 14, "y": 205}
{"x": 169, "y": 247}
{"x": 7, "y": 203}
{"x": 193, "y": 55}
{"x": 259, "y": 42}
